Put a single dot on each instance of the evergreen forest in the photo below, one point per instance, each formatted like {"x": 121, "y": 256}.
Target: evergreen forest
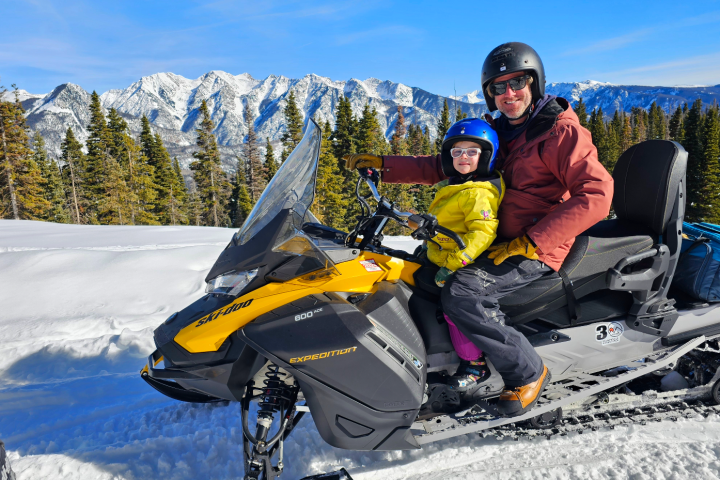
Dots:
{"x": 117, "y": 178}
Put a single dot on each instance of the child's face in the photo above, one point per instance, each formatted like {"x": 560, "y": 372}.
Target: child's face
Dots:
{"x": 464, "y": 164}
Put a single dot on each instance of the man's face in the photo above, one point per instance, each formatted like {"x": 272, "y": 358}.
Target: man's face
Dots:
{"x": 513, "y": 103}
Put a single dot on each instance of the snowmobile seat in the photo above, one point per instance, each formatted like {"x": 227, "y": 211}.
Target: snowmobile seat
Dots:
{"x": 622, "y": 266}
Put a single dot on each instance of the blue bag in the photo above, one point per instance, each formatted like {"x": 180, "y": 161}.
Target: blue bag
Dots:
{"x": 698, "y": 270}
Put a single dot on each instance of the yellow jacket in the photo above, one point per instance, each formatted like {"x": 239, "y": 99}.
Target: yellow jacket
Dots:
{"x": 470, "y": 210}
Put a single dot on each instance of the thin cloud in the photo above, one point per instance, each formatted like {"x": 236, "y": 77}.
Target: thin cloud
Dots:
{"x": 390, "y": 30}
{"x": 615, "y": 43}
{"x": 701, "y": 69}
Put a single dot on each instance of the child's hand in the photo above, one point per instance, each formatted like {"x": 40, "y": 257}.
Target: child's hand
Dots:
{"x": 442, "y": 275}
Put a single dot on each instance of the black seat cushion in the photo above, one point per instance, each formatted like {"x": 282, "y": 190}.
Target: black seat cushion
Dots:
{"x": 647, "y": 176}
{"x": 586, "y": 265}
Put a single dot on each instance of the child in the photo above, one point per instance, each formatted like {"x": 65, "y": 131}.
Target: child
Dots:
{"x": 467, "y": 205}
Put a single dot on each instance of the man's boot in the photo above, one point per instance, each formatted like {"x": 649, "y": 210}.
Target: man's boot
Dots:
{"x": 518, "y": 400}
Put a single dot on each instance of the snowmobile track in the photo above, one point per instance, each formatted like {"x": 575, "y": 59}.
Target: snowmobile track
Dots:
{"x": 557, "y": 395}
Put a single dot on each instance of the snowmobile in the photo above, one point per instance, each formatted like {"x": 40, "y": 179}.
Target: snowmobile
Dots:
{"x": 300, "y": 317}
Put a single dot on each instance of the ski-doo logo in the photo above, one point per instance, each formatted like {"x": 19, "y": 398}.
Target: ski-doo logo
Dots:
{"x": 609, "y": 333}
{"x": 224, "y": 311}
{"x": 320, "y": 356}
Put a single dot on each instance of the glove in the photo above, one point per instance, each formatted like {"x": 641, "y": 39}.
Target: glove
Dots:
{"x": 442, "y": 276}
{"x": 520, "y": 246}
{"x": 363, "y": 160}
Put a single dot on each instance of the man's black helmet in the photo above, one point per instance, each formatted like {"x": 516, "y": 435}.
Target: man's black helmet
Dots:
{"x": 510, "y": 58}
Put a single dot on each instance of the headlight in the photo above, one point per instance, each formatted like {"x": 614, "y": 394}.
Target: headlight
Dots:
{"x": 230, "y": 283}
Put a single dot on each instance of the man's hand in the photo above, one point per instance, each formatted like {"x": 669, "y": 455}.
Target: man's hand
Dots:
{"x": 520, "y": 246}
{"x": 363, "y": 160}
{"x": 442, "y": 276}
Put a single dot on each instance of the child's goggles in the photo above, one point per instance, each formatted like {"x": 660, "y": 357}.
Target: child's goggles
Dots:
{"x": 470, "y": 152}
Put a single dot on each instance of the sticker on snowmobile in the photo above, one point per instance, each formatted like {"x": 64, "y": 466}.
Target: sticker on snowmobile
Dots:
{"x": 370, "y": 266}
{"x": 609, "y": 333}
{"x": 320, "y": 356}
{"x": 224, "y": 311}
{"x": 305, "y": 315}
{"x": 415, "y": 361}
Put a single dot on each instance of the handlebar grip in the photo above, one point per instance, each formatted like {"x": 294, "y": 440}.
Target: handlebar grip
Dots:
{"x": 454, "y": 236}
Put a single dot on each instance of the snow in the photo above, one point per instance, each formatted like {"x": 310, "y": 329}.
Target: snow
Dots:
{"x": 79, "y": 304}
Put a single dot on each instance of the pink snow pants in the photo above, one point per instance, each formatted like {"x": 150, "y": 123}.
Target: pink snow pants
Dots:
{"x": 465, "y": 349}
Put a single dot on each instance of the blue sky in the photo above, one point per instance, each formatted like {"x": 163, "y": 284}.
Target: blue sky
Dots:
{"x": 434, "y": 45}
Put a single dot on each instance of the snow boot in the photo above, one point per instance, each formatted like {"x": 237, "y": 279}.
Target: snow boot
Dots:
{"x": 518, "y": 400}
{"x": 469, "y": 375}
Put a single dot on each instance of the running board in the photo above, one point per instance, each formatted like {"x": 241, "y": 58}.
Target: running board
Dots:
{"x": 556, "y": 395}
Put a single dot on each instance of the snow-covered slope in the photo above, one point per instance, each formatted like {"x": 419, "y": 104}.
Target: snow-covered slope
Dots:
{"x": 79, "y": 304}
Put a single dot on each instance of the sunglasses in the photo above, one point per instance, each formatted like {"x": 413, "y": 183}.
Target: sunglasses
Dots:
{"x": 517, "y": 83}
{"x": 470, "y": 152}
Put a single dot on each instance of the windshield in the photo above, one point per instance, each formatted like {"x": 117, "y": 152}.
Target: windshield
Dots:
{"x": 292, "y": 188}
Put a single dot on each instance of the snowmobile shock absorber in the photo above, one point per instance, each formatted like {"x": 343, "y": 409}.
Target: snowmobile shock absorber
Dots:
{"x": 274, "y": 396}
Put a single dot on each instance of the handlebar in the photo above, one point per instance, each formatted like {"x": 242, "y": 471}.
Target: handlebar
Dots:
{"x": 416, "y": 222}
{"x": 371, "y": 176}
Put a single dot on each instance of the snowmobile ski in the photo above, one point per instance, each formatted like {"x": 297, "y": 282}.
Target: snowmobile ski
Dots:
{"x": 341, "y": 474}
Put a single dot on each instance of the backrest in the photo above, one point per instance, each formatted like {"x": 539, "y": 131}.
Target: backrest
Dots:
{"x": 647, "y": 179}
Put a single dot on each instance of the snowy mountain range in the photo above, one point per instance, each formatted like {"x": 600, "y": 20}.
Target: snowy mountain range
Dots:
{"x": 171, "y": 102}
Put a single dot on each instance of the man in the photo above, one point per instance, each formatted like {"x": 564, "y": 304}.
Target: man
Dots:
{"x": 555, "y": 190}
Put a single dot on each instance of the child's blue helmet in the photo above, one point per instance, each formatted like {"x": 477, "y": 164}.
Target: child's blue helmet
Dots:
{"x": 473, "y": 130}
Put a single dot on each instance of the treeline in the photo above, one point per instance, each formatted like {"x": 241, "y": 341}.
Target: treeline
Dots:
{"x": 120, "y": 180}
{"x": 116, "y": 178}
{"x": 695, "y": 127}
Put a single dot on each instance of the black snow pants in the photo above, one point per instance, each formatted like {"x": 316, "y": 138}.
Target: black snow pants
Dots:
{"x": 471, "y": 299}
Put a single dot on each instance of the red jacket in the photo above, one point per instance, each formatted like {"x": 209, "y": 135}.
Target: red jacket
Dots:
{"x": 556, "y": 187}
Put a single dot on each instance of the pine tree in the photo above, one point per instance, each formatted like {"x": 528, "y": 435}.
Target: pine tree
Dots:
{"x": 676, "y": 127}
{"x": 98, "y": 145}
{"x": 399, "y": 194}
{"x": 196, "y": 210}
{"x": 54, "y": 192}
{"x": 147, "y": 141}
{"x": 599, "y": 134}
{"x": 293, "y": 126}
{"x": 141, "y": 180}
{"x": 345, "y": 129}
{"x": 330, "y": 205}
{"x": 253, "y": 159}
{"x": 626, "y": 134}
{"x": 167, "y": 204}
{"x": 213, "y": 188}
{"x": 709, "y": 209}
{"x": 73, "y": 174}
{"x": 241, "y": 204}
{"x": 459, "y": 114}
{"x": 21, "y": 183}
{"x": 694, "y": 129}
{"x": 428, "y": 147}
{"x": 270, "y": 165}
{"x": 581, "y": 111}
{"x": 398, "y": 143}
{"x": 178, "y": 197}
{"x": 443, "y": 126}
